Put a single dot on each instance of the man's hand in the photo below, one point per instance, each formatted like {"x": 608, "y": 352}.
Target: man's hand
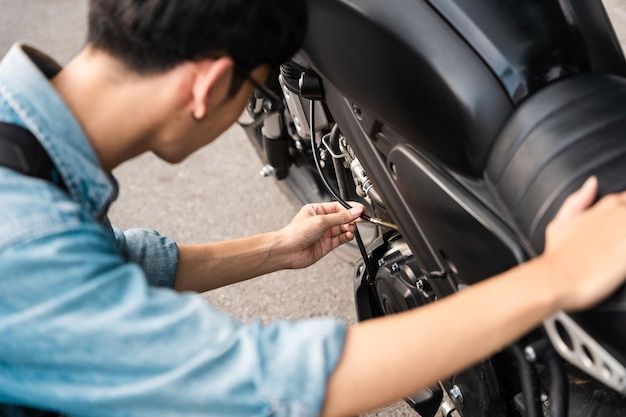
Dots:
{"x": 585, "y": 246}
{"x": 316, "y": 230}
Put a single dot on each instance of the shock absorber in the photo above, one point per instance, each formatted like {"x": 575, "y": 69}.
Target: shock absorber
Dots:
{"x": 275, "y": 146}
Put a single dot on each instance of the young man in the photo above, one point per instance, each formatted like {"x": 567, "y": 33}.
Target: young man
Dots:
{"x": 91, "y": 322}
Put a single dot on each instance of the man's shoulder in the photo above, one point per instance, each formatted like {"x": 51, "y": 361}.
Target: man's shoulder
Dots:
{"x": 32, "y": 207}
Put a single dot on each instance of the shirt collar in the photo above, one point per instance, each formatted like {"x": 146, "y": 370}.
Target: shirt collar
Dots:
{"x": 25, "y": 86}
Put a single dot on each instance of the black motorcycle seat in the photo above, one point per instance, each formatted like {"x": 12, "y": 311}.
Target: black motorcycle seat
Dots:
{"x": 555, "y": 140}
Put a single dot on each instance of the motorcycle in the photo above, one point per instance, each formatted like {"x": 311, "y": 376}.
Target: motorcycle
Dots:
{"x": 463, "y": 125}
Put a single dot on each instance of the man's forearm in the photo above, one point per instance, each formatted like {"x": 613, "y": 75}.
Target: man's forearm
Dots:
{"x": 425, "y": 345}
{"x": 204, "y": 267}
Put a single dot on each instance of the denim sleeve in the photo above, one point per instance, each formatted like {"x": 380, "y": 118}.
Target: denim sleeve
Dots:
{"x": 157, "y": 255}
{"x": 93, "y": 338}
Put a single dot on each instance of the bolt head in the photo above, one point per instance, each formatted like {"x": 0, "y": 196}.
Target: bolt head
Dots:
{"x": 267, "y": 171}
{"x": 530, "y": 354}
{"x": 456, "y": 394}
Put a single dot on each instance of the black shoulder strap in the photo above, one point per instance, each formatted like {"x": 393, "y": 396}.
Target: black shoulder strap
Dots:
{"x": 22, "y": 152}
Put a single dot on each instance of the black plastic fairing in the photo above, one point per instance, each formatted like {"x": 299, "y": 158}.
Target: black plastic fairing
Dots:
{"x": 459, "y": 228}
{"x": 527, "y": 44}
{"x": 402, "y": 62}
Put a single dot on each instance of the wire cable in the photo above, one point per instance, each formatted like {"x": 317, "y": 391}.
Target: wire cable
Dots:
{"x": 316, "y": 158}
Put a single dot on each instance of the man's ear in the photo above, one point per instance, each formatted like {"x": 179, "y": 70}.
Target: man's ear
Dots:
{"x": 211, "y": 84}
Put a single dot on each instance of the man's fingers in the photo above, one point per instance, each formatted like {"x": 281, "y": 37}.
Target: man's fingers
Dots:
{"x": 341, "y": 218}
{"x": 335, "y": 207}
{"x": 579, "y": 200}
{"x": 336, "y": 212}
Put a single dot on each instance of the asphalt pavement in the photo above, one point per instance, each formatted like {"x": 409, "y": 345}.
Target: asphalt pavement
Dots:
{"x": 215, "y": 194}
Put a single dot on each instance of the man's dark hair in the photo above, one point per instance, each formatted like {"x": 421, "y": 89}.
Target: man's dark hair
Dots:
{"x": 152, "y": 36}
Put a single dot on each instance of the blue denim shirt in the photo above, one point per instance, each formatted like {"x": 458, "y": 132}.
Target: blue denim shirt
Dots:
{"x": 89, "y": 324}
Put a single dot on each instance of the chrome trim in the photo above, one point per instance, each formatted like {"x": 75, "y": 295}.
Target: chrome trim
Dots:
{"x": 584, "y": 352}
